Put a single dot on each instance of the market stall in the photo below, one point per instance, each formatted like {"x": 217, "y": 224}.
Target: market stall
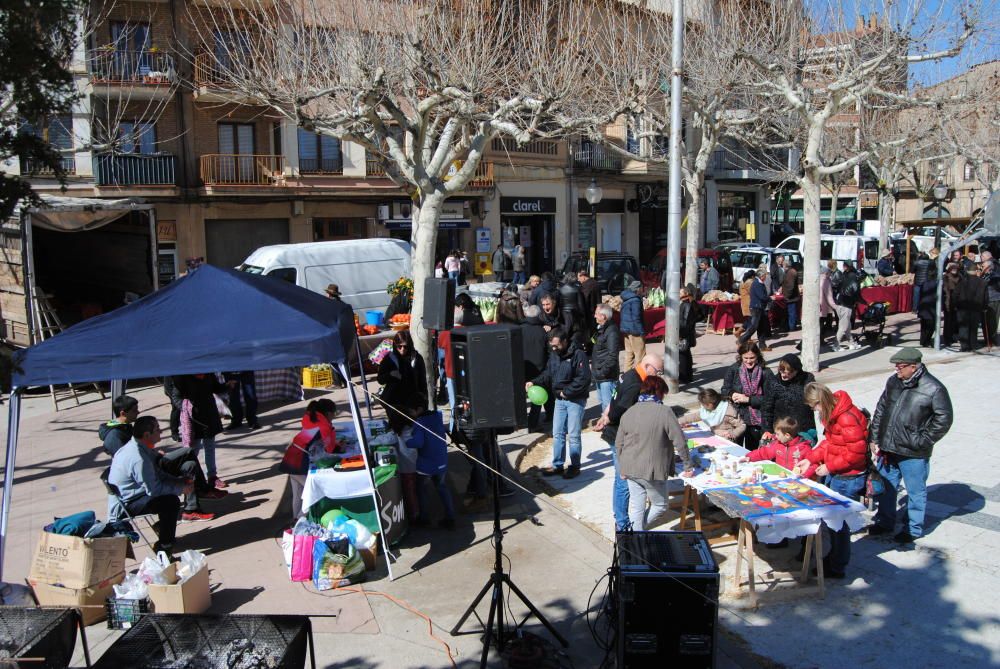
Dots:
{"x": 211, "y": 319}
{"x": 726, "y": 314}
{"x": 899, "y": 297}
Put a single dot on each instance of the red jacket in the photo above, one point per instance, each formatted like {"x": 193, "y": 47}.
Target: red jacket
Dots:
{"x": 327, "y": 432}
{"x": 784, "y": 454}
{"x": 845, "y": 441}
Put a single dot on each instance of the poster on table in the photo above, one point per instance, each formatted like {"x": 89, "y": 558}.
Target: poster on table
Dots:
{"x": 771, "y": 498}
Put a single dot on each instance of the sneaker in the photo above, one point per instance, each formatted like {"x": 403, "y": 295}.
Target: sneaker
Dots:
{"x": 572, "y": 472}
{"x": 904, "y": 537}
{"x": 212, "y": 493}
{"x": 836, "y": 348}
{"x": 196, "y": 516}
{"x": 552, "y": 471}
{"x": 216, "y": 482}
{"x": 854, "y": 346}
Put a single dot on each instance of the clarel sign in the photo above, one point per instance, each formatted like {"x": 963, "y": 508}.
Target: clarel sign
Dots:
{"x": 528, "y": 205}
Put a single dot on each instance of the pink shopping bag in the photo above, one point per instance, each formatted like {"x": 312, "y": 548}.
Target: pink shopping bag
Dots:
{"x": 302, "y": 557}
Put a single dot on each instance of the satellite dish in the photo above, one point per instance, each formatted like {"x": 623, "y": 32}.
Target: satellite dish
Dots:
{"x": 991, "y": 214}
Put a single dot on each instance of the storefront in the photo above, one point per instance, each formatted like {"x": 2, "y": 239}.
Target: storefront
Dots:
{"x": 530, "y": 222}
{"x": 602, "y": 230}
{"x": 451, "y": 226}
{"x": 737, "y": 216}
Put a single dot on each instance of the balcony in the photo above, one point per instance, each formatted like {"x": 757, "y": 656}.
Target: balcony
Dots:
{"x": 541, "y": 147}
{"x": 36, "y": 168}
{"x": 483, "y": 178}
{"x": 321, "y": 166}
{"x": 213, "y": 79}
{"x": 132, "y": 169}
{"x": 373, "y": 167}
{"x": 748, "y": 162}
{"x": 590, "y": 156}
{"x": 241, "y": 169}
{"x": 148, "y": 74}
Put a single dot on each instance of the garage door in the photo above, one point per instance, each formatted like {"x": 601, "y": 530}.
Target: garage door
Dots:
{"x": 229, "y": 241}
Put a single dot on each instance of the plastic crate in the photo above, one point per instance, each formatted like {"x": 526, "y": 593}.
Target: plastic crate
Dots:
{"x": 124, "y": 613}
{"x": 312, "y": 378}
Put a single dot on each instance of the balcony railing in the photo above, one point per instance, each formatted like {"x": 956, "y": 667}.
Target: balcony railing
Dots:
{"x": 213, "y": 72}
{"x": 596, "y": 157}
{"x": 35, "y": 167}
{"x": 483, "y": 177}
{"x": 132, "y": 169}
{"x": 541, "y": 147}
{"x": 147, "y": 67}
{"x": 373, "y": 167}
{"x": 748, "y": 160}
{"x": 321, "y": 166}
{"x": 241, "y": 169}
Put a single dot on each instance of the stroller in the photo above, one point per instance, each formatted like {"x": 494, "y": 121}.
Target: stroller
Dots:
{"x": 873, "y": 324}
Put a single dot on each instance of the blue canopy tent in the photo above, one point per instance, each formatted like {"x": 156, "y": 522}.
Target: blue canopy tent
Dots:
{"x": 211, "y": 320}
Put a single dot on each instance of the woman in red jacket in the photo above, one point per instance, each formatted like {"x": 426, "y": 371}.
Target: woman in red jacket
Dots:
{"x": 840, "y": 460}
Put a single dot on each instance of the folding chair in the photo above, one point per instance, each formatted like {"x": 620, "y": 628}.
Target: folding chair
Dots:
{"x": 113, "y": 492}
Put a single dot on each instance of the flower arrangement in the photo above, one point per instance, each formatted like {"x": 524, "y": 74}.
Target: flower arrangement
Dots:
{"x": 401, "y": 286}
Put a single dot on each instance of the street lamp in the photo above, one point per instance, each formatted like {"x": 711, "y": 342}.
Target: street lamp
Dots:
{"x": 940, "y": 192}
{"x": 594, "y": 193}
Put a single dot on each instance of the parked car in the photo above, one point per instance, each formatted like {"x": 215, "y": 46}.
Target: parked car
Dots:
{"x": 862, "y": 251}
{"x": 726, "y": 247}
{"x": 748, "y": 259}
{"x": 652, "y": 274}
{"x": 615, "y": 271}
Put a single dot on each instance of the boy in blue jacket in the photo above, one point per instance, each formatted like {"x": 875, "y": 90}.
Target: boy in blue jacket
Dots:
{"x": 428, "y": 440}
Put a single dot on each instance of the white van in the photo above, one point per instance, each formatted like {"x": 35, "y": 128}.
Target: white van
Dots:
{"x": 362, "y": 268}
{"x": 862, "y": 251}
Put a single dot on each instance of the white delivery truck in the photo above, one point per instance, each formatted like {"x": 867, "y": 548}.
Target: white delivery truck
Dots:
{"x": 361, "y": 268}
{"x": 862, "y": 251}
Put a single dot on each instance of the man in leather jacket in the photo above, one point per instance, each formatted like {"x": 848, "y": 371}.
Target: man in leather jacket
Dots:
{"x": 913, "y": 414}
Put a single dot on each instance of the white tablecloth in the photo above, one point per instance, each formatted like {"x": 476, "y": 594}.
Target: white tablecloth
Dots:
{"x": 335, "y": 484}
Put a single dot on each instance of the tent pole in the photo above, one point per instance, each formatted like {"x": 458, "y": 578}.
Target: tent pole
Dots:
{"x": 13, "y": 419}
{"x": 364, "y": 377}
{"x": 366, "y": 454}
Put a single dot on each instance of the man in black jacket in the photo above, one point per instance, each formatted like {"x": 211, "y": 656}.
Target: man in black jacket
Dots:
{"x": 567, "y": 378}
{"x": 913, "y": 414}
{"x": 625, "y": 395}
{"x": 604, "y": 361}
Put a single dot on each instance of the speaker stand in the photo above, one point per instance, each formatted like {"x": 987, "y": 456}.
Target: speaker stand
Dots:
{"x": 498, "y": 579}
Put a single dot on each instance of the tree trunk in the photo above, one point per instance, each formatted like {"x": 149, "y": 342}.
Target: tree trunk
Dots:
{"x": 694, "y": 224}
{"x": 886, "y": 217}
{"x": 810, "y": 185}
{"x": 426, "y": 212}
{"x": 834, "y": 201}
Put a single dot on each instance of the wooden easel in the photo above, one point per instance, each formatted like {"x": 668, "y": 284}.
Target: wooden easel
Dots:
{"x": 47, "y": 325}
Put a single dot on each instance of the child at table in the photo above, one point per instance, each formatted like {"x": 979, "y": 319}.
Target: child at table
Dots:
{"x": 785, "y": 447}
{"x": 719, "y": 415}
{"x": 317, "y": 436}
{"x": 429, "y": 440}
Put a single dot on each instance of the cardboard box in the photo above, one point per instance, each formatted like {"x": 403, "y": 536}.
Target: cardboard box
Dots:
{"x": 191, "y": 596}
{"x": 90, "y": 600}
{"x": 77, "y": 563}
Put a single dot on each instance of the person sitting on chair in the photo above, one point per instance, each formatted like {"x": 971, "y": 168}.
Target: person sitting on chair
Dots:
{"x": 150, "y": 482}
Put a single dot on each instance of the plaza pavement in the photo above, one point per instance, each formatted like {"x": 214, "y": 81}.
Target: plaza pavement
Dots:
{"x": 927, "y": 606}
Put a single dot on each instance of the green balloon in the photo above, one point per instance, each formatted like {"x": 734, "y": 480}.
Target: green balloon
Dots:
{"x": 538, "y": 395}
{"x": 330, "y": 516}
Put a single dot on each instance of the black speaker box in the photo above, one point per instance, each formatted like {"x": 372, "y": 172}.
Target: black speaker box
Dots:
{"x": 667, "y": 599}
{"x": 439, "y": 304}
{"x": 488, "y": 363}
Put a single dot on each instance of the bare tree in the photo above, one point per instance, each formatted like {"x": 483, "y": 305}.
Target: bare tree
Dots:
{"x": 422, "y": 85}
{"x": 839, "y": 62}
{"x": 972, "y": 130}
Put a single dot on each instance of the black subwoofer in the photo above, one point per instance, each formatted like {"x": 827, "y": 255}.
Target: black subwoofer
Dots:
{"x": 489, "y": 377}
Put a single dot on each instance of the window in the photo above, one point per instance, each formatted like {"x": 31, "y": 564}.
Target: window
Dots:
{"x": 319, "y": 153}
{"x": 58, "y": 132}
{"x": 137, "y": 137}
{"x": 283, "y": 273}
{"x": 969, "y": 173}
{"x": 338, "y": 228}
{"x": 131, "y": 42}
{"x": 871, "y": 250}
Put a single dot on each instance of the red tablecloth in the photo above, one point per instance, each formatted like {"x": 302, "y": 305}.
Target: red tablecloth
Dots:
{"x": 725, "y": 315}
{"x": 899, "y": 297}
{"x": 654, "y": 323}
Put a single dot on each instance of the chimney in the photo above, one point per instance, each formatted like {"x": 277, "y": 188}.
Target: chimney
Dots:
{"x": 859, "y": 26}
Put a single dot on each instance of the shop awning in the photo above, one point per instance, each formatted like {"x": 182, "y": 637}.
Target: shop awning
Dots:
{"x": 443, "y": 224}
{"x": 795, "y": 215}
{"x": 74, "y": 214}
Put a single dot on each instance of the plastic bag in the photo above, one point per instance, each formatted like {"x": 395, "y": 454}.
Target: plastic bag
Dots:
{"x": 191, "y": 564}
{"x": 151, "y": 569}
{"x": 132, "y": 587}
{"x": 379, "y": 352}
{"x": 335, "y": 564}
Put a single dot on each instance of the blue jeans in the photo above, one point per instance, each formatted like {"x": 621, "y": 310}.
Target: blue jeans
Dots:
{"x": 567, "y": 419}
{"x": 440, "y": 482}
{"x": 209, "y": 445}
{"x": 604, "y": 391}
{"x": 453, "y": 276}
{"x": 520, "y": 278}
{"x": 850, "y": 487}
{"x": 916, "y": 297}
{"x": 793, "y": 315}
{"x": 913, "y": 473}
{"x": 619, "y": 495}
{"x": 247, "y": 385}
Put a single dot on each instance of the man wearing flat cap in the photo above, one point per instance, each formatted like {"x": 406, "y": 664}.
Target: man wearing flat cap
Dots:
{"x": 912, "y": 415}
{"x": 333, "y": 291}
